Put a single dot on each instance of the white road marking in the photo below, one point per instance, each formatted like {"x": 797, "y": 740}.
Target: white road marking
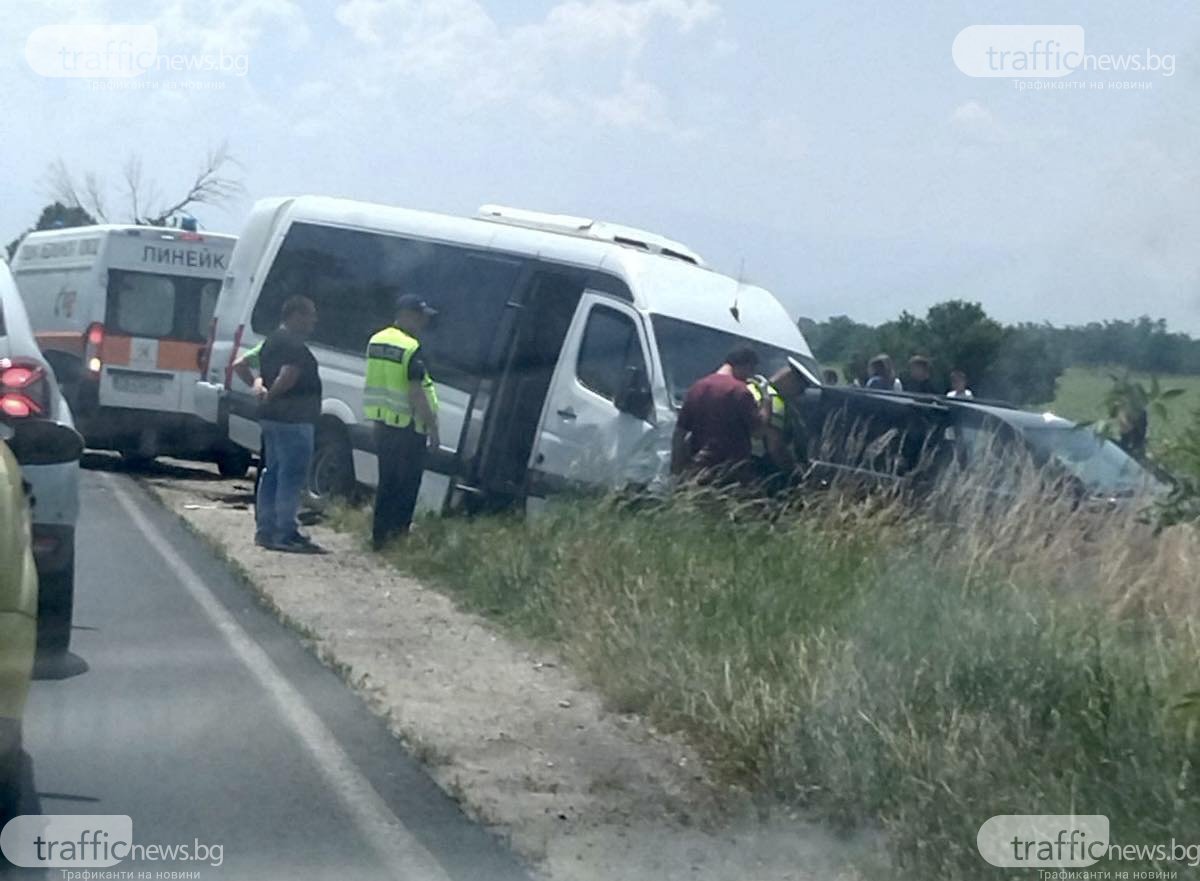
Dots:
{"x": 399, "y": 852}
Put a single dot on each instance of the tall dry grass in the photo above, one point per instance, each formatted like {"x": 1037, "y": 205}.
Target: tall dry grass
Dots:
{"x": 990, "y": 649}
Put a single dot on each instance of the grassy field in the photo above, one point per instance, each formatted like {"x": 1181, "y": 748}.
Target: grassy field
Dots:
{"x": 1081, "y": 392}
{"x": 874, "y": 666}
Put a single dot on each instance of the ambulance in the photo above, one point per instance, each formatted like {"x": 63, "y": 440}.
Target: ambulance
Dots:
{"x": 122, "y": 314}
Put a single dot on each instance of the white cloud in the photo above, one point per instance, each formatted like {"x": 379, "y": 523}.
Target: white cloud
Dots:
{"x": 636, "y": 105}
{"x": 603, "y": 24}
{"x": 230, "y": 26}
{"x": 976, "y": 122}
{"x": 723, "y": 47}
{"x": 583, "y": 55}
{"x": 784, "y": 136}
{"x": 421, "y": 36}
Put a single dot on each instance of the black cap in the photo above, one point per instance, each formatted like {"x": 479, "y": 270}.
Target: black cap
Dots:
{"x": 414, "y": 303}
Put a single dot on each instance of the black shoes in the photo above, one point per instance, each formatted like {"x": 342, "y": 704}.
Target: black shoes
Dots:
{"x": 295, "y": 544}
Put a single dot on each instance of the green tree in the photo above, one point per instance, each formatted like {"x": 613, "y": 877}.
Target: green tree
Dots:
{"x": 959, "y": 334}
{"x": 1026, "y": 367}
{"x": 836, "y": 339}
{"x": 901, "y": 338}
{"x": 56, "y": 215}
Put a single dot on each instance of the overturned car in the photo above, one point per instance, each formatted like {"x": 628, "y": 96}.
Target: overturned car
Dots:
{"x": 871, "y": 440}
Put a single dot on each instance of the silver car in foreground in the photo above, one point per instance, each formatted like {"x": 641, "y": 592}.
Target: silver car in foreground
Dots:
{"x": 29, "y": 392}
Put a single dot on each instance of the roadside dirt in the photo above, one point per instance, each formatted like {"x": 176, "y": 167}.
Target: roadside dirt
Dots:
{"x": 581, "y": 793}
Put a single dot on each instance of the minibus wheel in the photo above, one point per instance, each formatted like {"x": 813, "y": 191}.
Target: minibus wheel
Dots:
{"x": 233, "y": 463}
{"x": 331, "y": 475}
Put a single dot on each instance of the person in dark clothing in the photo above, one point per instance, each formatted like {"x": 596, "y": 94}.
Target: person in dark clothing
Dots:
{"x": 289, "y": 406}
{"x": 1133, "y": 424}
{"x": 781, "y": 449}
{"x": 881, "y": 373}
{"x": 718, "y": 422}
{"x": 400, "y": 398}
{"x": 920, "y": 376}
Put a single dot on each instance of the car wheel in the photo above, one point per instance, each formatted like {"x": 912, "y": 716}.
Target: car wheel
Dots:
{"x": 56, "y": 605}
{"x": 331, "y": 475}
{"x": 233, "y": 463}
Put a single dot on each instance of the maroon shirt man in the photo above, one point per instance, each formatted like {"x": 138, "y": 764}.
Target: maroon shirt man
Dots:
{"x": 718, "y": 419}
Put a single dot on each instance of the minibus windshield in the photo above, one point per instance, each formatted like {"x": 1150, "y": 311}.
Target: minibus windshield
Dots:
{"x": 689, "y": 351}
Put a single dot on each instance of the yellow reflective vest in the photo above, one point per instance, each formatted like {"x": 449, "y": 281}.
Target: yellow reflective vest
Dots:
{"x": 387, "y": 395}
{"x": 777, "y": 419}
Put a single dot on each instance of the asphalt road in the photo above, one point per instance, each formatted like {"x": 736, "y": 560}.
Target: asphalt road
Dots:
{"x": 189, "y": 708}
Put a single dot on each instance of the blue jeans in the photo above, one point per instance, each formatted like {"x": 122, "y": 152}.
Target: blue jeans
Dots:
{"x": 289, "y": 449}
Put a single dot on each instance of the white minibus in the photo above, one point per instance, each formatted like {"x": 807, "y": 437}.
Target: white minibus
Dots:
{"x": 562, "y": 349}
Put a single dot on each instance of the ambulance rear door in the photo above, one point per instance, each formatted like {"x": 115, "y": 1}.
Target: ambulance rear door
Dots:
{"x": 162, "y": 289}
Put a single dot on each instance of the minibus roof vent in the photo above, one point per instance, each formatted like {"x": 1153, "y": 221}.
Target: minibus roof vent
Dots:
{"x": 584, "y": 227}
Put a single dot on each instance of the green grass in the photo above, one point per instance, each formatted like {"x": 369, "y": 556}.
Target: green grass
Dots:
{"x": 876, "y": 667}
{"x": 1081, "y": 392}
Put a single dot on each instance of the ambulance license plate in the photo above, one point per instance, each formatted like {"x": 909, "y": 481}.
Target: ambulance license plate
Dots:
{"x": 139, "y": 383}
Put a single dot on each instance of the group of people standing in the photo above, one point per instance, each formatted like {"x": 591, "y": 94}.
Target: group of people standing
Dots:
{"x": 737, "y": 427}
{"x": 399, "y": 399}
{"x": 881, "y": 374}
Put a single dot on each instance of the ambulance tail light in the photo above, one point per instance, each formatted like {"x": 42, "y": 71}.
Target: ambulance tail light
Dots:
{"x": 24, "y": 389}
{"x": 233, "y": 353}
{"x": 93, "y": 350}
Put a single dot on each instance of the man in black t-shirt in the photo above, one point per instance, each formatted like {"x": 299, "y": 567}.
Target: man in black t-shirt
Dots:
{"x": 289, "y": 406}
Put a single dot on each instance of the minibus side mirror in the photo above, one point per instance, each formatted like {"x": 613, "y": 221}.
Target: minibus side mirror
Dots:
{"x": 636, "y": 399}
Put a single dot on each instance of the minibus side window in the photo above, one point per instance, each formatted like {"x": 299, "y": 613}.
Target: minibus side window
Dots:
{"x": 471, "y": 300}
{"x": 609, "y": 348}
{"x": 354, "y": 278}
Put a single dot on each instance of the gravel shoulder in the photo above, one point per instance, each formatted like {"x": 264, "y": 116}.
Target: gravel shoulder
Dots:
{"x": 581, "y": 793}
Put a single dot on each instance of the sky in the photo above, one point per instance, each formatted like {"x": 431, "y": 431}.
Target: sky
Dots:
{"x": 835, "y": 155}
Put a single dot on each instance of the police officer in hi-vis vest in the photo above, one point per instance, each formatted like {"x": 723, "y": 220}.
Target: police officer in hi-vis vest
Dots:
{"x": 400, "y": 399}
{"x": 782, "y": 445}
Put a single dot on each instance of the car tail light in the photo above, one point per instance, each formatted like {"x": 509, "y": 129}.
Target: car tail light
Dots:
{"x": 24, "y": 389}
{"x": 93, "y": 350}
{"x": 233, "y": 353}
{"x": 205, "y": 355}
{"x": 44, "y": 545}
